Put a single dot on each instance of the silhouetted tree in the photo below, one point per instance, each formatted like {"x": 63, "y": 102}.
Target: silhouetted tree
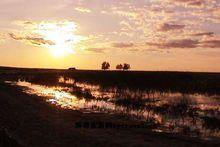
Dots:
{"x": 119, "y": 66}
{"x": 105, "y": 65}
{"x": 126, "y": 66}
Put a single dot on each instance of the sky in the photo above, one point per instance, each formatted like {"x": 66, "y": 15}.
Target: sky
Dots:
{"x": 164, "y": 35}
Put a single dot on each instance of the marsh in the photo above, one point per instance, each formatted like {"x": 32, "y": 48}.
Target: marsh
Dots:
{"x": 185, "y": 108}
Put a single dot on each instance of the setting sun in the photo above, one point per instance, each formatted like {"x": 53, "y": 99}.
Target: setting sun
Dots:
{"x": 61, "y": 35}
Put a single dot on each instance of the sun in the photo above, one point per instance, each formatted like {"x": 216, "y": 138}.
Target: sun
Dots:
{"x": 63, "y": 36}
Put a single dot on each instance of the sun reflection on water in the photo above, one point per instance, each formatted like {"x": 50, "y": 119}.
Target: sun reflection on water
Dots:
{"x": 55, "y": 95}
{"x": 162, "y": 110}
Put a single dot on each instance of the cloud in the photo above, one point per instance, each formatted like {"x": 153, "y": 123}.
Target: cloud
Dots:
{"x": 123, "y": 13}
{"x": 204, "y": 34}
{"x": 169, "y": 27}
{"x": 196, "y": 3}
{"x": 188, "y": 43}
{"x": 191, "y": 3}
{"x": 122, "y": 45}
{"x": 96, "y": 50}
{"x": 33, "y": 40}
{"x": 215, "y": 11}
{"x": 134, "y": 50}
{"x": 181, "y": 43}
{"x": 211, "y": 43}
{"x": 83, "y": 10}
{"x": 2, "y": 37}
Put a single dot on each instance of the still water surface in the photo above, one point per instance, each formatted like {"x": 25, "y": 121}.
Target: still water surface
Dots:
{"x": 189, "y": 114}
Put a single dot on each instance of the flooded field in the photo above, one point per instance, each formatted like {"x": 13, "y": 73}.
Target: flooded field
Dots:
{"x": 191, "y": 114}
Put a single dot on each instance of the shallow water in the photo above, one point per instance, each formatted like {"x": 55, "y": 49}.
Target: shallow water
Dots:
{"x": 188, "y": 114}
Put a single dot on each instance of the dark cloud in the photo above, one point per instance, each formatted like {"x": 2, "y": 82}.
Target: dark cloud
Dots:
{"x": 165, "y": 10}
{"x": 204, "y": 34}
{"x": 15, "y": 37}
{"x": 182, "y": 43}
{"x": 187, "y": 43}
{"x": 194, "y": 3}
{"x": 169, "y": 27}
{"x": 96, "y": 50}
{"x": 122, "y": 45}
{"x": 33, "y": 40}
{"x": 211, "y": 43}
{"x": 188, "y": 1}
{"x": 28, "y": 22}
{"x": 183, "y": 1}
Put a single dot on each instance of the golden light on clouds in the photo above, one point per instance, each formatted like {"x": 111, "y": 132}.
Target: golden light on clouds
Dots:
{"x": 58, "y": 36}
{"x": 83, "y": 10}
{"x": 155, "y": 30}
{"x": 61, "y": 34}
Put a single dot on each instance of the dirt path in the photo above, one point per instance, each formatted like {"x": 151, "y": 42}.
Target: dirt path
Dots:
{"x": 31, "y": 121}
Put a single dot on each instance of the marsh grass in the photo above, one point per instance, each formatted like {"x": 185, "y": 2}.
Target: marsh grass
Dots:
{"x": 141, "y": 92}
{"x": 184, "y": 82}
{"x": 211, "y": 123}
{"x": 129, "y": 99}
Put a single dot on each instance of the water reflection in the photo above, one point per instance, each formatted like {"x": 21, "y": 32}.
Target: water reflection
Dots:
{"x": 190, "y": 114}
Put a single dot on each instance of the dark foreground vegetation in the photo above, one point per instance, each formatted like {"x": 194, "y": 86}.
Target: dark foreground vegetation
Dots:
{"x": 27, "y": 120}
{"x": 6, "y": 140}
{"x": 33, "y": 122}
{"x": 184, "y": 82}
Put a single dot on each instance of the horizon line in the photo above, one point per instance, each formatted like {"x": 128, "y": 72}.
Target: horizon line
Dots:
{"x": 130, "y": 70}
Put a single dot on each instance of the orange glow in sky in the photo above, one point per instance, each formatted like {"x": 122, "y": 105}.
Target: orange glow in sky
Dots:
{"x": 176, "y": 35}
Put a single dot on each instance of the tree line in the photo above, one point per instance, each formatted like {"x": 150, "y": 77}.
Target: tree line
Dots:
{"x": 106, "y": 65}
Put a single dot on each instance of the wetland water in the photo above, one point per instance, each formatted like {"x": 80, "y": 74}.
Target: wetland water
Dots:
{"x": 196, "y": 115}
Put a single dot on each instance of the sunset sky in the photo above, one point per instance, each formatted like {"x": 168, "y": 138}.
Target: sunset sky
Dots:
{"x": 180, "y": 35}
